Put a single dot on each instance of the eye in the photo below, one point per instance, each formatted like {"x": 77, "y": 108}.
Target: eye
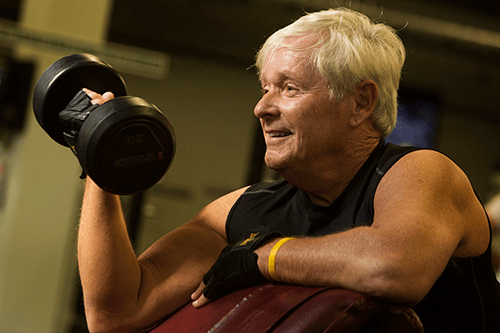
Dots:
{"x": 291, "y": 89}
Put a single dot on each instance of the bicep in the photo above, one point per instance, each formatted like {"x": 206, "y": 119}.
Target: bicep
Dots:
{"x": 173, "y": 267}
{"x": 426, "y": 209}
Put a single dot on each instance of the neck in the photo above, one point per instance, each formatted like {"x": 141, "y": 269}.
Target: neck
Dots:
{"x": 324, "y": 182}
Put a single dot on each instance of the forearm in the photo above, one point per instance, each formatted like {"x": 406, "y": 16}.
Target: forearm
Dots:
{"x": 109, "y": 270}
{"x": 355, "y": 260}
{"x": 126, "y": 294}
{"x": 307, "y": 261}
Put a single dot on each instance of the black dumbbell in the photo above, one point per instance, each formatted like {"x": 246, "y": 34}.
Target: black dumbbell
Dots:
{"x": 125, "y": 145}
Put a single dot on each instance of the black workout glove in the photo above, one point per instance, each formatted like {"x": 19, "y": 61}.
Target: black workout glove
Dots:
{"x": 73, "y": 116}
{"x": 236, "y": 268}
{"x": 75, "y": 113}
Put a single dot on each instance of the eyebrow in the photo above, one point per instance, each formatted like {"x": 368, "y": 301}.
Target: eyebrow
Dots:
{"x": 286, "y": 75}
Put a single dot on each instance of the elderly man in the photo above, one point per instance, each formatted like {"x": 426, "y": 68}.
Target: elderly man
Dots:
{"x": 400, "y": 224}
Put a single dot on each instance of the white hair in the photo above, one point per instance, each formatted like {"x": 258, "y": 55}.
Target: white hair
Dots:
{"x": 350, "y": 48}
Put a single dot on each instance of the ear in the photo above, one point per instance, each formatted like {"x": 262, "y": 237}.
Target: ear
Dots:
{"x": 366, "y": 97}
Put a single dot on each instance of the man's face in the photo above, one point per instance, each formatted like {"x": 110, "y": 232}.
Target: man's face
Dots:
{"x": 302, "y": 125}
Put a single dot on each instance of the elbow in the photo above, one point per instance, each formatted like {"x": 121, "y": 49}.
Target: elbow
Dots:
{"x": 108, "y": 327}
{"x": 103, "y": 325}
{"x": 99, "y": 321}
{"x": 97, "y": 327}
{"x": 392, "y": 286}
{"x": 391, "y": 291}
{"x": 110, "y": 323}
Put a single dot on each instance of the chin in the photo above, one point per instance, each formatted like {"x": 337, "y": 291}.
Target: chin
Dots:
{"x": 274, "y": 164}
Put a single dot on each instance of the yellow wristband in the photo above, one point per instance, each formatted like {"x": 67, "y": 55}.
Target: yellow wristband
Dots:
{"x": 272, "y": 257}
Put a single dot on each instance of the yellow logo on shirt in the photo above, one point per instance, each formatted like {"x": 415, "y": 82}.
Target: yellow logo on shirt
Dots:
{"x": 249, "y": 239}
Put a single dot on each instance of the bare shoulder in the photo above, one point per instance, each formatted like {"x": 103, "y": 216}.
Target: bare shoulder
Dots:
{"x": 429, "y": 184}
{"x": 214, "y": 215}
{"x": 429, "y": 170}
{"x": 432, "y": 171}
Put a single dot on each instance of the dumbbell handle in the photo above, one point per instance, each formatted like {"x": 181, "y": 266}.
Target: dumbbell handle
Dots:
{"x": 73, "y": 116}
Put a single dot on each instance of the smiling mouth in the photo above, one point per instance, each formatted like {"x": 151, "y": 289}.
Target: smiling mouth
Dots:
{"x": 279, "y": 134}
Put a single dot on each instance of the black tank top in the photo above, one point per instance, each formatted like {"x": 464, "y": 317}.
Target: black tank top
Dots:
{"x": 466, "y": 297}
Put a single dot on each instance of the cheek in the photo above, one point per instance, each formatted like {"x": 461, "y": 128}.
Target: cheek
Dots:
{"x": 320, "y": 131}
{"x": 311, "y": 116}
{"x": 317, "y": 121}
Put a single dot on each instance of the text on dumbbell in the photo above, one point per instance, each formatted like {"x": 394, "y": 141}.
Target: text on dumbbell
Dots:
{"x": 134, "y": 160}
{"x": 135, "y": 139}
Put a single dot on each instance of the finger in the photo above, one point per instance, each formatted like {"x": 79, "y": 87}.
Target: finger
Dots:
{"x": 201, "y": 301}
{"x": 98, "y": 98}
{"x": 92, "y": 94}
{"x": 198, "y": 292}
{"x": 107, "y": 96}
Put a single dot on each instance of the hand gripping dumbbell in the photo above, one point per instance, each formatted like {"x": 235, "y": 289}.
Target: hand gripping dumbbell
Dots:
{"x": 125, "y": 145}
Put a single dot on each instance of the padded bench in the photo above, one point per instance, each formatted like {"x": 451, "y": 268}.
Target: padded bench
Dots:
{"x": 280, "y": 308}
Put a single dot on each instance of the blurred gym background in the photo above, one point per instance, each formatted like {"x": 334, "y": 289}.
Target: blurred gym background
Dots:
{"x": 193, "y": 59}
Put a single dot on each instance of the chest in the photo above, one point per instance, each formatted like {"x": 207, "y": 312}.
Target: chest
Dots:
{"x": 291, "y": 214}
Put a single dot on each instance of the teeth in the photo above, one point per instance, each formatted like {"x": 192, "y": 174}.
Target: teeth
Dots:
{"x": 276, "y": 135}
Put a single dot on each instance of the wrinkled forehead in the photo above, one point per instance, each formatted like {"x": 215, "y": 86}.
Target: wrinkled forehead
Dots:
{"x": 291, "y": 66}
{"x": 283, "y": 62}
{"x": 299, "y": 48}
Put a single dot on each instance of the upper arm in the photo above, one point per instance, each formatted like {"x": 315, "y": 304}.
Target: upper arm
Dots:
{"x": 173, "y": 267}
{"x": 427, "y": 210}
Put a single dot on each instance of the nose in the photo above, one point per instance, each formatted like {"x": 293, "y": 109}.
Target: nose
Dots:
{"x": 267, "y": 106}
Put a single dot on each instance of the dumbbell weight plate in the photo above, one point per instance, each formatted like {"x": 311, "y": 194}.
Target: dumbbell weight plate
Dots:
{"x": 126, "y": 145}
{"x": 63, "y": 79}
